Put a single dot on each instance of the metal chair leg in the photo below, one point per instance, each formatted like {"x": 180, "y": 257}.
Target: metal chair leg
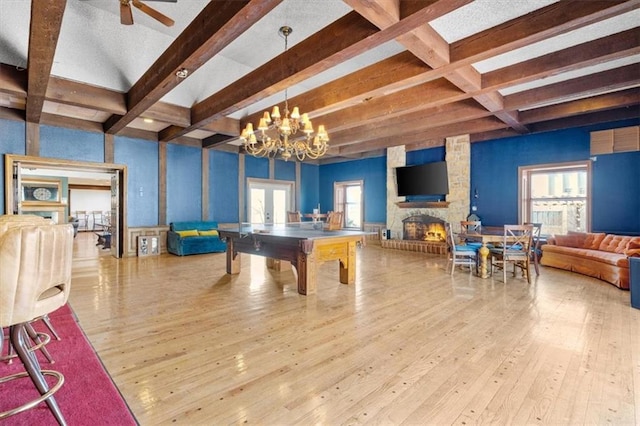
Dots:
{"x": 19, "y": 341}
{"x": 47, "y": 322}
{"x": 40, "y": 339}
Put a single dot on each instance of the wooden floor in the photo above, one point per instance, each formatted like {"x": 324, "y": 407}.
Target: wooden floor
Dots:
{"x": 407, "y": 344}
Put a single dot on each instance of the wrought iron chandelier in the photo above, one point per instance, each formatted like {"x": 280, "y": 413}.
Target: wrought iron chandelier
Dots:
{"x": 289, "y": 134}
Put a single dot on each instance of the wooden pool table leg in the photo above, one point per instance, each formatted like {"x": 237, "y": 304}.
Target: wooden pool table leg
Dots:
{"x": 307, "y": 269}
{"x": 233, "y": 258}
{"x": 348, "y": 265}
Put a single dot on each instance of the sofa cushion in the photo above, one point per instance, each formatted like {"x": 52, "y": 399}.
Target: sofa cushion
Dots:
{"x": 571, "y": 240}
{"x": 593, "y": 240}
{"x": 195, "y": 224}
{"x": 615, "y": 243}
{"x": 209, "y": 233}
{"x": 188, "y": 233}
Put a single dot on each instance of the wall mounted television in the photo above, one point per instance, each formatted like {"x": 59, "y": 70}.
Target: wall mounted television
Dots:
{"x": 424, "y": 179}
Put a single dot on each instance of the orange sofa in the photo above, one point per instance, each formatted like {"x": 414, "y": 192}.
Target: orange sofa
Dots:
{"x": 599, "y": 255}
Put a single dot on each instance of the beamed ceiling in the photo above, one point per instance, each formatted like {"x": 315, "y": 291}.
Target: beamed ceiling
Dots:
{"x": 377, "y": 73}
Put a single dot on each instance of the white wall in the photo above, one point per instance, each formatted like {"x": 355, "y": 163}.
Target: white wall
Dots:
{"x": 89, "y": 200}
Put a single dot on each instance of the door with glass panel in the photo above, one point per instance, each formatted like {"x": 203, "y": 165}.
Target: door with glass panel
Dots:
{"x": 269, "y": 201}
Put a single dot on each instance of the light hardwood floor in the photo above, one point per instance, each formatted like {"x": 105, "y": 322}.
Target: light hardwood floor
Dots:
{"x": 407, "y": 344}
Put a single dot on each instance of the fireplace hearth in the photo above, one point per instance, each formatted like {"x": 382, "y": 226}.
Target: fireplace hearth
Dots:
{"x": 423, "y": 227}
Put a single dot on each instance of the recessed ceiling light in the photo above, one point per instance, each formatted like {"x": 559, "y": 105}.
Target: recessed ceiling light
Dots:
{"x": 148, "y": 120}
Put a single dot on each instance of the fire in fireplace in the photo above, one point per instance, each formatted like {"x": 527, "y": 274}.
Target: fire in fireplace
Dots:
{"x": 423, "y": 227}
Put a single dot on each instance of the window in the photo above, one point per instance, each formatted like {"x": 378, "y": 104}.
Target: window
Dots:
{"x": 558, "y": 196}
{"x": 348, "y": 199}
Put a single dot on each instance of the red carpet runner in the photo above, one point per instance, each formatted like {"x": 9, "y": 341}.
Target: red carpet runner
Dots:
{"x": 88, "y": 396}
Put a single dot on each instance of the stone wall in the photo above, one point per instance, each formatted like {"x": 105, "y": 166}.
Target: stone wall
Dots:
{"x": 458, "y": 157}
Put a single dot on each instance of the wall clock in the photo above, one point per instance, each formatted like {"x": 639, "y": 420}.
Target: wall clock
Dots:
{"x": 40, "y": 191}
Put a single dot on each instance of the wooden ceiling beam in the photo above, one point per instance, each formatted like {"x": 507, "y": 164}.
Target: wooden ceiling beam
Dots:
{"x": 417, "y": 121}
{"x": 13, "y": 80}
{"x": 590, "y": 53}
{"x": 382, "y": 78}
{"x": 427, "y": 95}
{"x": 440, "y": 132}
{"x": 593, "y": 104}
{"x": 557, "y": 18}
{"x": 68, "y": 122}
{"x": 218, "y": 24}
{"x": 44, "y": 30}
{"x": 224, "y": 125}
{"x": 83, "y": 95}
{"x": 590, "y": 85}
{"x": 351, "y": 35}
{"x": 607, "y": 116}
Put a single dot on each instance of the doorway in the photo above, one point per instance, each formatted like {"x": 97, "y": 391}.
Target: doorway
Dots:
{"x": 269, "y": 201}
{"x": 15, "y": 191}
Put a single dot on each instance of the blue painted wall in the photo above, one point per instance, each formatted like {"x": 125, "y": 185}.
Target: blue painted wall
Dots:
{"x": 284, "y": 170}
{"x": 615, "y": 180}
{"x": 310, "y": 188}
{"x": 70, "y": 144}
{"x": 616, "y": 193}
{"x": 12, "y": 136}
{"x": 373, "y": 171}
{"x": 223, "y": 187}
{"x": 141, "y": 159}
{"x": 184, "y": 183}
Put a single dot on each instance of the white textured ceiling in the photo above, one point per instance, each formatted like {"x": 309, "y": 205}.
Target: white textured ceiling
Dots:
{"x": 94, "y": 48}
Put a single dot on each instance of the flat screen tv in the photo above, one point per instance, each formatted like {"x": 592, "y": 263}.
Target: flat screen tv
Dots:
{"x": 425, "y": 179}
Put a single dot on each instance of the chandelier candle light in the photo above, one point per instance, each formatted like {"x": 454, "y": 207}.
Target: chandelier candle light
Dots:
{"x": 288, "y": 135}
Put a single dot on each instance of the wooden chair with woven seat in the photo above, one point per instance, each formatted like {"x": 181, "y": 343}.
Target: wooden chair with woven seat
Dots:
{"x": 515, "y": 249}
{"x": 334, "y": 221}
{"x": 294, "y": 217}
{"x": 35, "y": 280}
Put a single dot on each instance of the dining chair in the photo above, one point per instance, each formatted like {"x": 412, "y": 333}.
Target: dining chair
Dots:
{"x": 294, "y": 217}
{"x": 471, "y": 227}
{"x": 535, "y": 245}
{"x": 36, "y": 281}
{"x": 515, "y": 249}
{"x": 459, "y": 254}
{"x": 334, "y": 220}
{"x": 83, "y": 219}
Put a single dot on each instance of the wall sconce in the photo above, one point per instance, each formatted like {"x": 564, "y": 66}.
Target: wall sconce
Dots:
{"x": 475, "y": 193}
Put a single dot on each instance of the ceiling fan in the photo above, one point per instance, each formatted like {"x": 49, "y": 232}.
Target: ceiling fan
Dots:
{"x": 126, "y": 15}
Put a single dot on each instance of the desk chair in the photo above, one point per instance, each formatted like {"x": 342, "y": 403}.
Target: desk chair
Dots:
{"x": 460, "y": 254}
{"x": 515, "y": 249}
{"x": 35, "y": 280}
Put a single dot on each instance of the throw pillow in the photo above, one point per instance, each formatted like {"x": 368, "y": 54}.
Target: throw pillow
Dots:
{"x": 188, "y": 233}
{"x": 210, "y": 232}
{"x": 632, "y": 252}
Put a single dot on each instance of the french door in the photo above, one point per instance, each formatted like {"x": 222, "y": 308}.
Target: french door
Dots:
{"x": 269, "y": 201}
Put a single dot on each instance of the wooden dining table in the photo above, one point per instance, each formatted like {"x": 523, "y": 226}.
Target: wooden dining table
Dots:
{"x": 315, "y": 216}
{"x": 486, "y": 236}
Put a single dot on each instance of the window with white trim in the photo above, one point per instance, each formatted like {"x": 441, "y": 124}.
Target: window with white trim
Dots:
{"x": 556, "y": 195}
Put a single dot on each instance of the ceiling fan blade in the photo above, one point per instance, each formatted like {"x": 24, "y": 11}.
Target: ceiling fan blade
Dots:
{"x": 126, "y": 17}
{"x": 153, "y": 13}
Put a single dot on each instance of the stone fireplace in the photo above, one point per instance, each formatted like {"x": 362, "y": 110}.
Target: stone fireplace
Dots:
{"x": 423, "y": 227}
{"x": 416, "y": 236}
